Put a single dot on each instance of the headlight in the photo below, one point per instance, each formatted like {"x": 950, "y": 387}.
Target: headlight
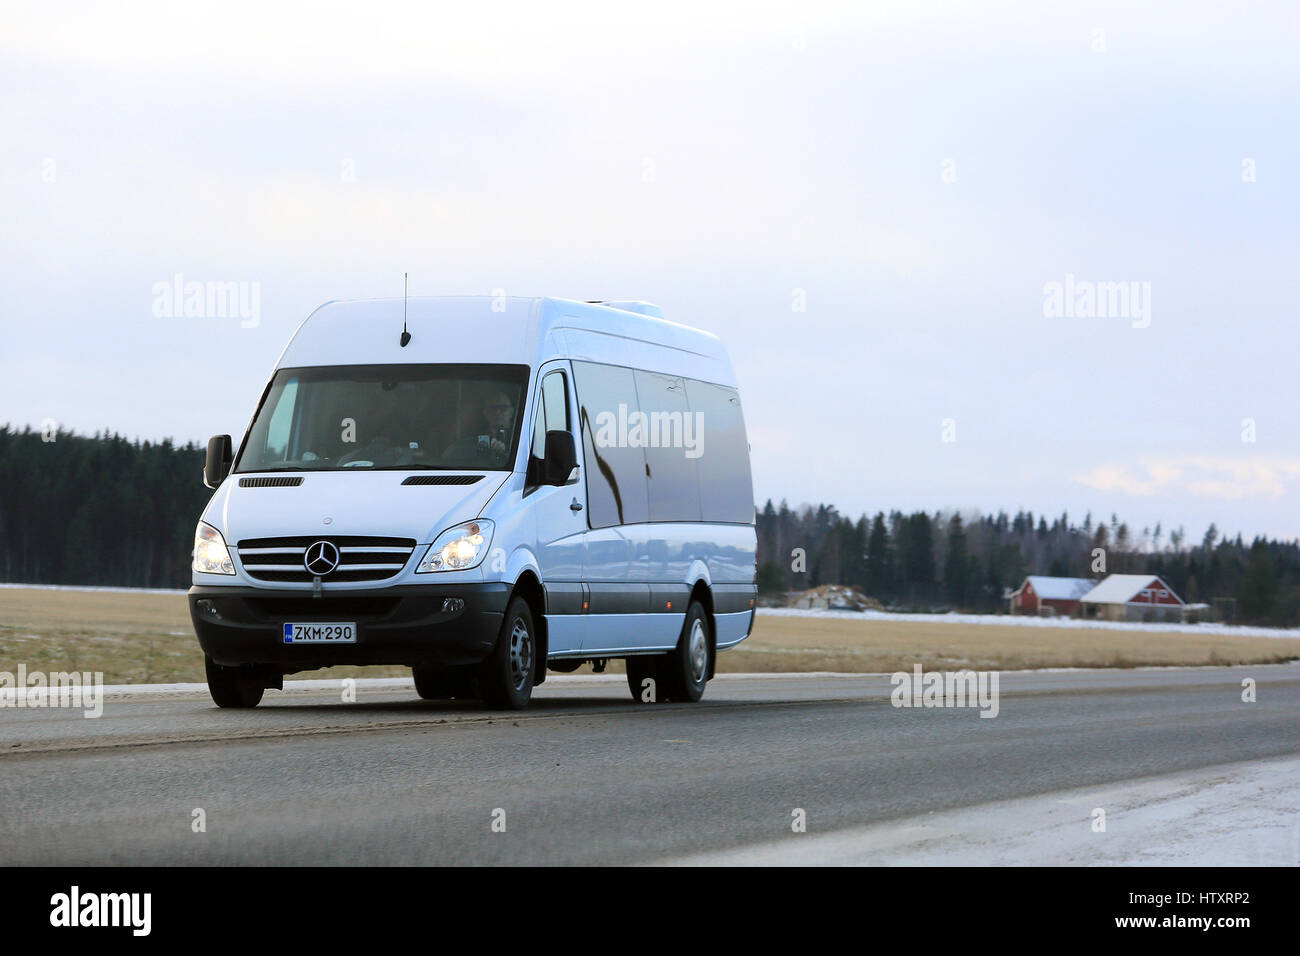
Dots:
{"x": 210, "y": 553}
{"x": 458, "y": 548}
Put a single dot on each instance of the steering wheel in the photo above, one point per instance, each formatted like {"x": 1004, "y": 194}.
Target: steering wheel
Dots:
{"x": 365, "y": 457}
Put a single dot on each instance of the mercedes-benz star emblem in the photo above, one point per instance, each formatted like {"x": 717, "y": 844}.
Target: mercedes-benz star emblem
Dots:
{"x": 321, "y": 558}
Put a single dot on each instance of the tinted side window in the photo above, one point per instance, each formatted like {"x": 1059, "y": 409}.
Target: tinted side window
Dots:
{"x": 726, "y": 490}
{"x": 615, "y": 471}
{"x": 671, "y": 450}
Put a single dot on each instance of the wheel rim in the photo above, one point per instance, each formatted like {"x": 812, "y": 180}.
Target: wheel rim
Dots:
{"x": 699, "y": 651}
{"x": 521, "y": 655}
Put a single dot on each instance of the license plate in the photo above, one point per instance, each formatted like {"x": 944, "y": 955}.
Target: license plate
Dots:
{"x": 315, "y": 633}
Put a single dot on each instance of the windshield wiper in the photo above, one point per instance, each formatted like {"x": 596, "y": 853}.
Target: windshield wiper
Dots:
{"x": 414, "y": 466}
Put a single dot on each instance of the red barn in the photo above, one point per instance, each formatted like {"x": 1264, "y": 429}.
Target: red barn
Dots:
{"x": 1132, "y": 597}
{"x": 1039, "y": 593}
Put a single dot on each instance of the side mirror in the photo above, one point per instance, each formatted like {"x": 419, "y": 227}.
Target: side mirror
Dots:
{"x": 220, "y": 456}
{"x": 561, "y": 458}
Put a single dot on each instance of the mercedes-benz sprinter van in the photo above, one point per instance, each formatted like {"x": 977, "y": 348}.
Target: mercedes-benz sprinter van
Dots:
{"x": 481, "y": 489}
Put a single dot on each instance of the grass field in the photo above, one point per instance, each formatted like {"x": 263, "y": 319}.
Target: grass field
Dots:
{"x": 146, "y": 638}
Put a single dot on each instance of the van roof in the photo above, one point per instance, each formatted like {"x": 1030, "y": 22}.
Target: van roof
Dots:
{"x": 505, "y": 330}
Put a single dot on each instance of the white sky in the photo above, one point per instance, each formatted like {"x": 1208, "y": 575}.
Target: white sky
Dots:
{"x": 713, "y": 158}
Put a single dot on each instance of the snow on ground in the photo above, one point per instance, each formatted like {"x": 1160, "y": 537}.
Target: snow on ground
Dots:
{"x": 1245, "y": 814}
{"x": 1018, "y": 620}
{"x": 386, "y": 684}
{"x": 82, "y": 587}
{"x": 316, "y": 685}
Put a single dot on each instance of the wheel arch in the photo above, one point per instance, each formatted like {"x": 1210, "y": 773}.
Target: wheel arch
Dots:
{"x": 529, "y": 587}
{"x": 702, "y": 592}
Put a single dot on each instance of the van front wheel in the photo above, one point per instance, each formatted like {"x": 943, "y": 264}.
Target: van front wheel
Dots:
{"x": 233, "y": 686}
{"x": 506, "y": 678}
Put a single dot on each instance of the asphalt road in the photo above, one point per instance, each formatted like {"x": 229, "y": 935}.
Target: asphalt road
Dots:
{"x": 586, "y": 776}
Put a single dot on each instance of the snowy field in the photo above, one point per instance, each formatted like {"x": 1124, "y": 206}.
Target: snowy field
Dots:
{"x": 1017, "y": 620}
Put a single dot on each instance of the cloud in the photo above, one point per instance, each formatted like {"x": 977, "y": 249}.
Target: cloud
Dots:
{"x": 1228, "y": 479}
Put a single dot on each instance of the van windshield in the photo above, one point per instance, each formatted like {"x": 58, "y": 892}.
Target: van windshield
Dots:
{"x": 454, "y": 417}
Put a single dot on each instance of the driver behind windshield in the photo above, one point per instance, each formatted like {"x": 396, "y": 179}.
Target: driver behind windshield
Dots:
{"x": 488, "y": 443}
{"x": 387, "y": 445}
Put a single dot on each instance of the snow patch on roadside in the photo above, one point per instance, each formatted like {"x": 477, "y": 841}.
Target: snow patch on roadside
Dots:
{"x": 406, "y": 683}
{"x": 1245, "y": 814}
{"x": 319, "y": 685}
{"x": 82, "y": 587}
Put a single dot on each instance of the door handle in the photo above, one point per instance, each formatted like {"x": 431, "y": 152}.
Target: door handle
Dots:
{"x": 575, "y": 505}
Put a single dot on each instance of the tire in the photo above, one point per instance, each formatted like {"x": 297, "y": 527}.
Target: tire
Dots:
{"x": 442, "y": 683}
{"x": 685, "y": 671}
{"x": 233, "y": 686}
{"x": 506, "y": 677}
{"x": 642, "y": 669}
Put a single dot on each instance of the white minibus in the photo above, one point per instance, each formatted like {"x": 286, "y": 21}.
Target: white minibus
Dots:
{"x": 483, "y": 489}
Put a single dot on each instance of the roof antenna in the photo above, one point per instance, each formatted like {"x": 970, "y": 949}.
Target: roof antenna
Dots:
{"x": 406, "y": 336}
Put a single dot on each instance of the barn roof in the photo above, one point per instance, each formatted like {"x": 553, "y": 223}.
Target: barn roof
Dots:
{"x": 1059, "y": 589}
{"x": 1123, "y": 588}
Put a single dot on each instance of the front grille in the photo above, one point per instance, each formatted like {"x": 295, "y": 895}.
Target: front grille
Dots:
{"x": 360, "y": 558}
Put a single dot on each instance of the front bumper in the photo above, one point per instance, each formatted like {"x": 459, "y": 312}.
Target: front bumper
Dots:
{"x": 396, "y": 625}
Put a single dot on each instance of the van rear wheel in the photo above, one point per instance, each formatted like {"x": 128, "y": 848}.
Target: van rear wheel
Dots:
{"x": 506, "y": 677}
{"x": 233, "y": 686}
{"x": 686, "y": 670}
